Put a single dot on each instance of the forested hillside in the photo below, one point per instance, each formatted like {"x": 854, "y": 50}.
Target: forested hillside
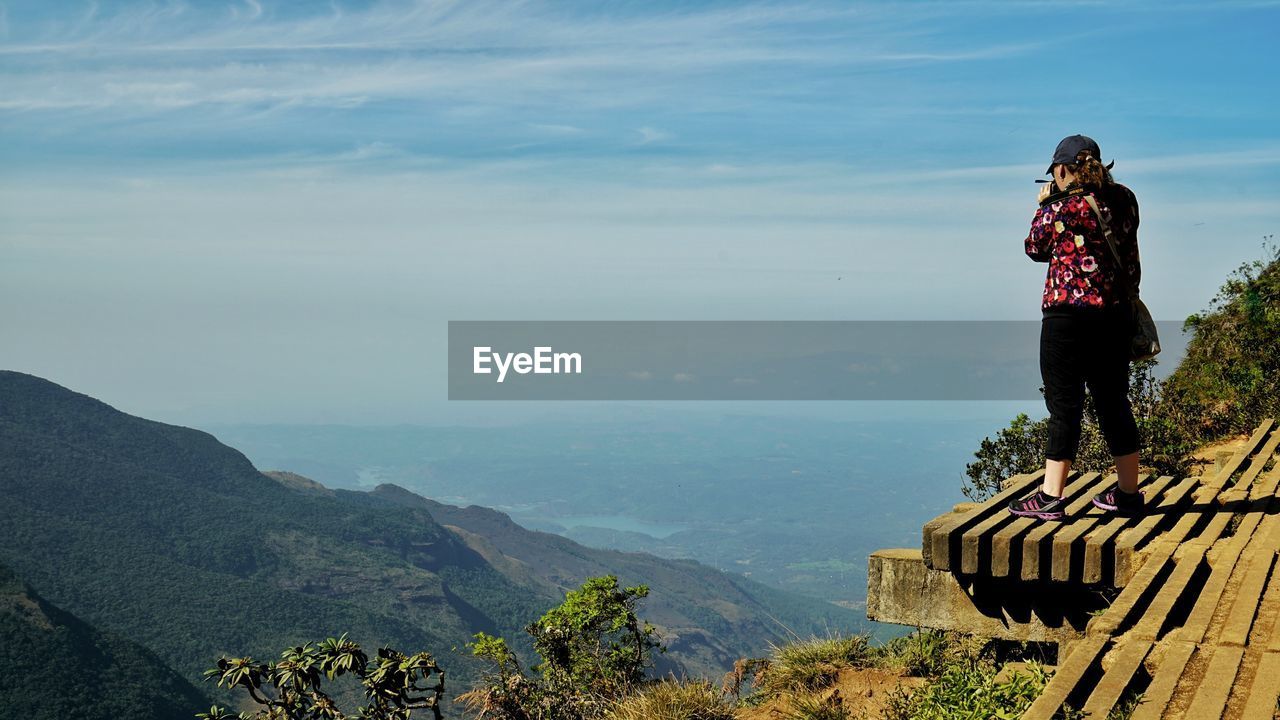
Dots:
{"x": 164, "y": 535}
{"x": 56, "y": 666}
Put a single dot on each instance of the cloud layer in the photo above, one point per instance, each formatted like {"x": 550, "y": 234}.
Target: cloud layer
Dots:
{"x": 263, "y": 199}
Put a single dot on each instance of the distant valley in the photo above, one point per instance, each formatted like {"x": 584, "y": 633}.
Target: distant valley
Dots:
{"x": 167, "y": 537}
{"x": 793, "y": 502}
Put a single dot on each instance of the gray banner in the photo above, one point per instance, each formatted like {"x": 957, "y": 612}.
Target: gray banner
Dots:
{"x": 754, "y": 360}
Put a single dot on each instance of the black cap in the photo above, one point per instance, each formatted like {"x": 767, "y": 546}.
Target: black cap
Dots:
{"x": 1070, "y": 147}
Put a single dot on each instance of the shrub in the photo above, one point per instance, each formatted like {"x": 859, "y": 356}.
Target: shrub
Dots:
{"x": 594, "y": 651}
{"x": 967, "y": 690}
{"x": 594, "y": 638}
{"x": 394, "y": 683}
{"x": 1017, "y": 449}
{"x": 1230, "y": 379}
{"x": 921, "y": 654}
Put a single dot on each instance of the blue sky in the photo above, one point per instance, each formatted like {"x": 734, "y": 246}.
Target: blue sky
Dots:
{"x": 266, "y": 211}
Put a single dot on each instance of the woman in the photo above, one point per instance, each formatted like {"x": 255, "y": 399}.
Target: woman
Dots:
{"x": 1086, "y": 320}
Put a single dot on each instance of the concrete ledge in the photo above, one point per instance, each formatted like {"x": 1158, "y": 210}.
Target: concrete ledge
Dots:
{"x": 902, "y": 590}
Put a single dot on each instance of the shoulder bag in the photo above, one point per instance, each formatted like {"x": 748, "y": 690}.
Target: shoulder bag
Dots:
{"x": 1144, "y": 342}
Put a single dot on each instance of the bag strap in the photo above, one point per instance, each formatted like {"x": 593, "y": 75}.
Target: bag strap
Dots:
{"x": 1063, "y": 195}
{"x": 1111, "y": 243}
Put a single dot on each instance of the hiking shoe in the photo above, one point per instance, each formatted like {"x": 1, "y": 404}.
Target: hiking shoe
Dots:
{"x": 1039, "y": 505}
{"x": 1114, "y": 500}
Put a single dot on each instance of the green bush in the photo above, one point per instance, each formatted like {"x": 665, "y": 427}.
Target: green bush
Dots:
{"x": 1016, "y": 449}
{"x": 967, "y": 690}
{"x": 1230, "y": 379}
{"x": 395, "y": 684}
{"x": 594, "y": 651}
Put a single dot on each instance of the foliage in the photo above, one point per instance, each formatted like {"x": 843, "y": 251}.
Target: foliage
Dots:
{"x": 1228, "y": 383}
{"x": 1230, "y": 379}
{"x": 594, "y": 651}
{"x": 799, "y": 668}
{"x": 672, "y": 700}
{"x": 814, "y": 663}
{"x": 394, "y": 684}
{"x": 967, "y": 690}
{"x": 921, "y": 654}
{"x": 1016, "y": 449}
{"x": 54, "y": 666}
{"x": 593, "y": 638}
{"x": 961, "y": 671}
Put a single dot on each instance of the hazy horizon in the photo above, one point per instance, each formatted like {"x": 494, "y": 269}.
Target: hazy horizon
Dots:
{"x": 268, "y": 211}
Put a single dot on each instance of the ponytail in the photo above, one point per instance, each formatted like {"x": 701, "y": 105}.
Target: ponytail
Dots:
{"x": 1089, "y": 171}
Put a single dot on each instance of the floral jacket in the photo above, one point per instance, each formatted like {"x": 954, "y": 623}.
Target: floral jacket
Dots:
{"x": 1082, "y": 271}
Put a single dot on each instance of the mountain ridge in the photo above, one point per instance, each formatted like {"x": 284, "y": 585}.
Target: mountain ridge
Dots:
{"x": 58, "y": 666}
{"x": 166, "y": 536}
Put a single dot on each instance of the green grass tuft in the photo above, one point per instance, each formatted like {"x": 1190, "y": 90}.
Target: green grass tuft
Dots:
{"x": 814, "y": 663}
{"x": 672, "y": 700}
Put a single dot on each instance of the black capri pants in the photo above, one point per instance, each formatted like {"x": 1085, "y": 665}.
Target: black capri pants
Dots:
{"x": 1087, "y": 346}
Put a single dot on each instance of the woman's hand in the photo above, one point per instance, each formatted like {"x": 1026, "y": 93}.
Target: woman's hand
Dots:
{"x": 1045, "y": 190}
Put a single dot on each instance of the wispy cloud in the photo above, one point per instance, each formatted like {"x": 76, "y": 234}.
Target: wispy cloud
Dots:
{"x": 174, "y": 55}
{"x": 366, "y": 168}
